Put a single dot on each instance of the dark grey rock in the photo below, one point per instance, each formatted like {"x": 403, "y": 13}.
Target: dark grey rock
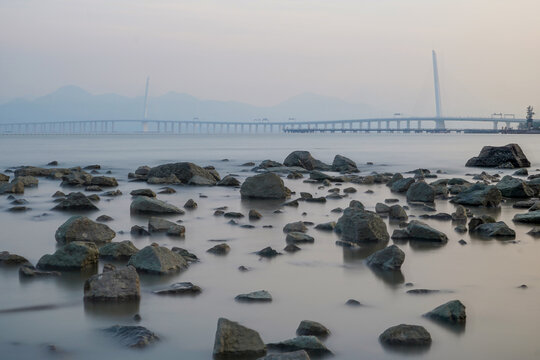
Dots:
{"x": 357, "y": 225}
{"x": 75, "y": 201}
{"x": 132, "y": 336}
{"x": 264, "y": 186}
{"x": 389, "y": 258}
{"x": 255, "y": 296}
{"x": 73, "y": 256}
{"x": 479, "y": 195}
{"x": 532, "y": 217}
{"x": 144, "y": 204}
{"x": 122, "y": 250}
{"x": 452, "y": 312}
{"x": 185, "y": 172}
{"x": 295, "y": 237}
{"x": 311, "y": 344}
{"x": 422, "y": 192}
{"x": 497, "y": 156}
{"x": 405, "y": 335}
{"x": 81, "y": 228}
{"x": 155, "y": 259}
{"x": 304, "y": 160}
{"x": 180, "y": 288}
{"x": 113, "y": 286}
{"x": 417, "y": 230}
{"x": 234, "y": 341}
{"x": 143, "y": 192}
{"x": 308, "y": 327}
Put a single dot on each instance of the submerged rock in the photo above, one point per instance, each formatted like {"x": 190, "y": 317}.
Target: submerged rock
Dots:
{"x": 122, "y": 250}
{"x": 28, "y": 270}
{"x": 532, "y": 217}
{"x": 264, "y": 186}
{"x": 115, "y": 285}
{"x": 75, "y": 201}
{"x": 506, "y": 156}
{"x": 479, "y": 195}
{"x": 132, "y": 336}
{"x": 293, "y": 355}
{"x": 311, "y": 344}
{"x": 143, "y": 192}
{"x": 81, "y": 228}
{"x": 267, "y": 252}
{"x": 234, "y": 341}
{"x": 417, "y": 230}
{"x": 405, "y": 335}
{"x": 389, "y": 258}
{"x": 294, "y": 237}
{"x": 74, "y": 256}
{"x": 255, "y": 296}
{"x": 155, "y": 259}
{"x": 494, "y": 229}
{"x": 452, "y": 311}
{"x": 180, "y": 288}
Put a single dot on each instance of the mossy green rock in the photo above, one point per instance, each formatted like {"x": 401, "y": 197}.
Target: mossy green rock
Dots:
{"x": 81, "y": 228}
{"x": 74, "y": 256}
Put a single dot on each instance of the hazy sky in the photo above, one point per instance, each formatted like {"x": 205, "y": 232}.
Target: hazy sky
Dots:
{"x": 262, "y": 52}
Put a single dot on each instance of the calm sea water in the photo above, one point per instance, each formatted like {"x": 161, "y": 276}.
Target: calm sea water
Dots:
{"x": 314, "y": 284}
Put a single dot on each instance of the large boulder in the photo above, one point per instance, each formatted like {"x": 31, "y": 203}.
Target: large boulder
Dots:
{"x": 405, "y": 335}
{"x": 113, "y": 285}
{"x": 155, "y": 259}
{"x": 73, "y": 256}
{"x": 389, "y": 258}
{"x": 234, "y": 341}
{"x": 122, "y": 250}
{"x": 75, "y": 201}
{"x": 479, "y": 195}
{"x": 506, "y": 156}
{"x": 358, "y": 225}
{"x": 417, "y": 230}
{"x": 343, "y": 164}
{"x": 132, "y": 336}
{"x": 311, "y": 344}
{"x": 144, "y": 204}
{"x": 185, "y": 172}
{"x": 422, "y": 192}
{"x": 264, "y": 186}
{"x": 532, "y": 217}
{"x": 494, "y": 229}
{"x": 452, "y": 312}
{"x": 401, "y": 185}
{"x": 514, "y": 188}
{"x": 81, "y": 228}
{"x": 304, "y": 160}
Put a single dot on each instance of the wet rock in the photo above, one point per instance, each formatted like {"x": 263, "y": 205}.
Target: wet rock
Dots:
{"x": 514, "y": 188}
{"x": 344, "y": 164}
{"x": 452, "y": 312}
{"x": 316, "y": 200}
{"x": 190, "y": 257}
{"x": 14, "y": 187}
{"x": 234, "y": 341}
{"x": 311, "y": 344}
{"x": 249, "y": 163}
{"x": 423, "y": 291}
{"x": 220, "y": 249}
{"x": 122, "y": 250}
{"x": 243, "y": 268}
{"x": 291, "y": 248}
{"x": 534, "y": 232}
{"x": 462, "y": 242}
{"x": 28, "y": 270}
{"x": 521, "y": 172}
{"x": 4, "y": 178}
{"x": 233, "y": 215}
{"x": 293, "y": 203}
{"x": 7, "y": 258}
{"x": 58, "y": 194}
{"x": 294, "y": 355}
{"x": 460, "y": 214}
{"x": 113, "y": 286}
{"x": 389, "y": 258}
{"x": 357, "y": 225}
{"x": 81, "y": 228}
{"x": 144, "y": 204}
{"x": 405, "y": 335}
{"x": 294, "y": 175}
{"x": 180, "y": 288}
{"x": 267, "y": 252}
{"x": 417, "y": 230}
{"x": 337, "y": 210}
{"x": 422, "y": 192}
{"x": 74, "y": 256}
{"x": 396, "y": 212}
{"x": 75, "y": 201}
{"x": 402, "y": 185}
{"x": 308, "y": 327}
{"x": 186, "y": 173}
{"x": 479, "y": 195}
{"x": 93, "y": 197}
{"x": 19, "y": 209}
{"x": 264, "y": 186}
{"x": 297, "y": 226}
{"x": 461, "y": 229}
{"x": 112, "y": 193}
{"x": 532, "y": 217}
{"x": 28, "y": 181}
{"x": 439, "y": 216}
{"x": 104, "y": 218}
{"x": 104, "y": 181}
{"x": 139, "y": 231}
{"x": 328, "y": 226}
{"x": 295, "y": 237}
{"x": 353, "y": 302}
{"x": 167, "y": 190}
{"x": 509, "y": 155}
{"x": 391, "y": 201}
{"x": 381, "y": 208}
{"x": 229, "y": 181}
{"x": 349, "y": 190}
{"x": 93, "y": 188}
{"x": 143, "y": 192}
{"x": 171, "y": 179}
{"x": 254, "y": 215}
{"x": 304, "y": 160}
{"x": 155, "y": 259}
{"x": 495, "y": 229}
{"x": 255, "y": 296}
{"x": 132, "y": 336}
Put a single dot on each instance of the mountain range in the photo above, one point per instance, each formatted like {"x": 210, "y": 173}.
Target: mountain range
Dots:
{"x": 71, "y": 103}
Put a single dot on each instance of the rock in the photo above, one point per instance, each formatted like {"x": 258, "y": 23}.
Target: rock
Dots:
{"x": 144, "y": 204}
{"x": 532, "y": 217}
{"x": 397, "y": 213}
{"x": 316, "y": 200}
{"x": 167, "y": 190}
{"x": 11, "y": 259}
{"x": 58, "y": 194}
{"x": 479, "y": 195}
{"x": 267, "y": 252}
{"x": 139, "y": 231}
{"x": 381, "y": 208}
{"x": 295, "y": 237}
{"x": 357, "y": 225}
{"x": 291, "y": 248}
{"x": 304, "y": 160}
{"x": 28, "y": 181}
{"x": 190, "y": 257}
{"x": 349, "y": 190}
{"x": 132, "y": 336}
{"x": 417, "y": 230}
{"x": 229, "y": 181}
{"x": 452, "y": 312}
{"x": 534, "y": 232}
{"x": 93, "y": 197}
{"x": 328, "y": 226}
{"x": 294, "y": 355}
{"x": 220, "y": 249}
{"x": 4, "y": 178}
{"x": 155, "y": 259}
{"x": 256, "y": 296}
{"x": 521, "y": 172}
{"x": 181, "y": 288}
{"x": 297, "y": 226}
{"x": 249, "y": 163}
{"x": 53, "y": 163}
{"x": 422, "y": 192}
{"x": 28, "y": 270}
{"x": 143, "y": 170}
{"x": 19, "y": 209}
{"x": 264, "y": 186}
{"x": 294, "y": 175}
{"x": 104, "y": 181}
{"x": 201, "y": 181}
{"x": 234, "y": 341}
{"x": 343, "y": 164}
{"x": 112, "y": 193}
{"x": 389, "y": 258}
{"x": 406, "y": 335}
{"x": 171, "y": 179}
{"x": 122, "y": 250}
{"x": 460, "y": 214}
{"x": 402, "y": 185}
{"x": 293, "y": 203}
{"x": 233, "y": 215}
{"x": 254, "y": 215}
{"x": 495, "y": 229}
{"x": 266, "y": 164}
{"x": 497, "y": 156}
{"x": 92, "y": 167}
{"x": 308, "y": 327}
{"x": 14, "y": 187}
{"x": 422, "y": 291}
{"x": 143, "y": 192}
{"x": 116, "y": 285}
{"x": 514, "y": 188}
{"x": 104, "y": 218}
{"x": 77, "y": 178}
{"x": 353, "y": 302}
{"x": 75, "y": 201}
{"x": 186, "y": 173}
{"x": 462, "y": 242}
{"x": 311, "y": 344}
{"x": 74, "y": 256}
{"x": 81, "y": 228}
{"x": 461, "y": 229}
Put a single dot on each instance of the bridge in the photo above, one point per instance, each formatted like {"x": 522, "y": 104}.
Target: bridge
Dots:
{"x": 393, "y": 124}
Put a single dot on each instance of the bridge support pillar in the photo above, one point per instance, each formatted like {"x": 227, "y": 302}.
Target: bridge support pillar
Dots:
{"x": 495, "y": 125}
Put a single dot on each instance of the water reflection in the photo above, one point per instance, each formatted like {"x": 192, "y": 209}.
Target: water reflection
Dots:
{"x": 392, "y": 278}
{"x": 406, "y": 350}
{"x": 108, "y": 311}
{"x": 456, "y": 328}
{"x": 356, "y": 254}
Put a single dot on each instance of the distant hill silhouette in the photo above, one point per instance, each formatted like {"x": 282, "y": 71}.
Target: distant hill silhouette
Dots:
{"x": 72, "y": 103}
